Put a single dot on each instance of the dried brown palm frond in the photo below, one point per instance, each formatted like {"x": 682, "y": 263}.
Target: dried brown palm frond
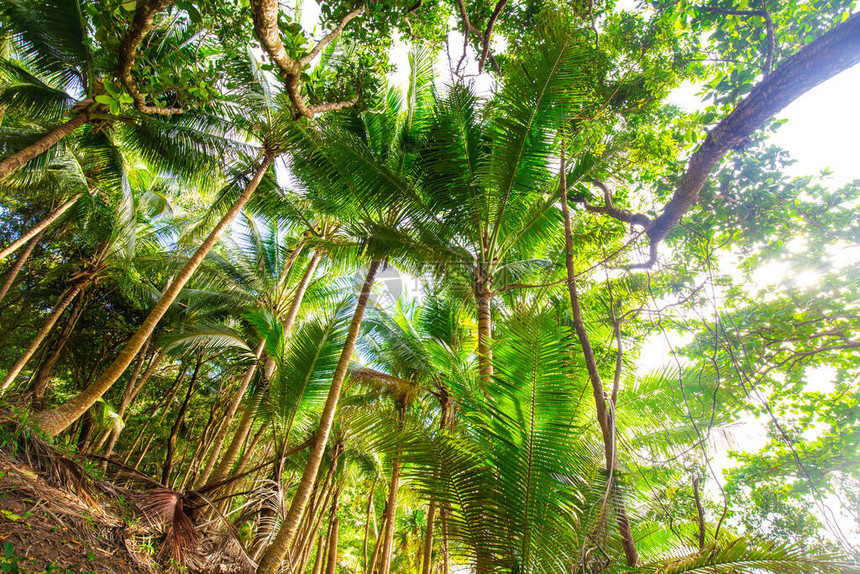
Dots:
{"x": 173, "y": 512}
{"x": 56, "y": 467}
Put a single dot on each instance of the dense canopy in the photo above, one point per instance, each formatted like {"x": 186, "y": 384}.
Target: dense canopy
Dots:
{"x": 513, "y": 311}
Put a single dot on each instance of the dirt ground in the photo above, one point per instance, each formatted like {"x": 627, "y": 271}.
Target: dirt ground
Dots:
{"x": 45, "y": 529}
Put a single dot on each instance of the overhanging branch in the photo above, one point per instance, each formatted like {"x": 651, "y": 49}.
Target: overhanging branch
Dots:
{"x": 835, "y": 51}
{"x": 609, "y": 208}
{"x": 265, "y": 16}
{"x": 140, "y": 26}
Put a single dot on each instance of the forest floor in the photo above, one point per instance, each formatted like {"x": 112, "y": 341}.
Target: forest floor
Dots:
{"x": 48, "y": 529}
{"x": 58, "y": 516}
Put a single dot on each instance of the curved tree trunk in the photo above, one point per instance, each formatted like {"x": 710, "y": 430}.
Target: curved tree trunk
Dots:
{"x": 603, "y": 416}
{"x": 274, "y": 555}
{"x": 14, "y": 162}
{"x": 12, "y": 274}
{"x": 65, "y": 299}
{"x": 55, "y": 421}
{"x": 39, "y": 228}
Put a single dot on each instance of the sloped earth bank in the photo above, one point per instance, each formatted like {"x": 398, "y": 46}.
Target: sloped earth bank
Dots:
{"x": 55, "y": 517}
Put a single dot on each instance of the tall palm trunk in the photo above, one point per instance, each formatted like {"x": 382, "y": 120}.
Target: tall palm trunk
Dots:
{"x": 380, "y": 542}
{"x": 55, "y": 421}
{"x": 150, "y": 414}
{"x": 329, "y": 492}
{"x": 367, "y": 521}
{"x": 14, "y": 162}
{"x": 43, "y": 375}
{"x": 229, "y": 458}
{"x": 127, "y": 396}
{"x": 603, "y": 416}
{"x": 274, "y": 555}
{"x": 483, "y": 299}
{"x": 431, "y": 510}
{"x": 12, "y": 274}
{"x": 234, "y": 455}
{"x": 135, "y": 385}
{"x": 319, "y": 558}
{"x": 65, "y": 299}
{"x": 39, "y": 228}
{"x": 221, "y": 436}
{"x": 391, "y": 511}
{"x": 446, "y": 562}
{"x": 332, "y": 545}
{"x": 299, "y": 295}
{"x": 174, "y": 431}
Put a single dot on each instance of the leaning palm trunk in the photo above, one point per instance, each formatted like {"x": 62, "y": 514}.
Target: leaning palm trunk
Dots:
{"x": 367, "y": 521}
{"x": 12, "y": 274}
{"x": 14, "y": 162}
{"x": 234, "y": 455}
{"x": 604, "y": 417}
{"x": 174, "y": 431}
{"x": 332, "y": 546}
{"x": 319, "y": 558}
{"x": 38, "y": 229}
{"x": 65, "y": 299}
{"x": 229, "y": 458}
{"x": 134, "y": 387}
{"x": 55, "y": 421}
{"x": 274, "y": 555}
{"x": 377, "y": 548}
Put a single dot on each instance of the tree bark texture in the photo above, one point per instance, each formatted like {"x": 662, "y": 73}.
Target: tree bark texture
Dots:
{"x": 274, "y": 555}
{"x": 55, "y": 421}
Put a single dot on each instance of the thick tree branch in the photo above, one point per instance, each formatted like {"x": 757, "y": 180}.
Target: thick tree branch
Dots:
{"x": 488, "y": 33}
{"x": 140, "y": 26}
{"x": 327, "y": 39}
{"x": 609, "y": 208}
{"x": 265, "y": 16}
{"x": 832, "y": 53}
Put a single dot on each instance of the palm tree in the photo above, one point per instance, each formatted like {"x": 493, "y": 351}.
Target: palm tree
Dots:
{"x": 367, "y": 200}
{"x": 485, "y": 170}
{"x": 259, "y": 105}
{"x": 113, "y": 231}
